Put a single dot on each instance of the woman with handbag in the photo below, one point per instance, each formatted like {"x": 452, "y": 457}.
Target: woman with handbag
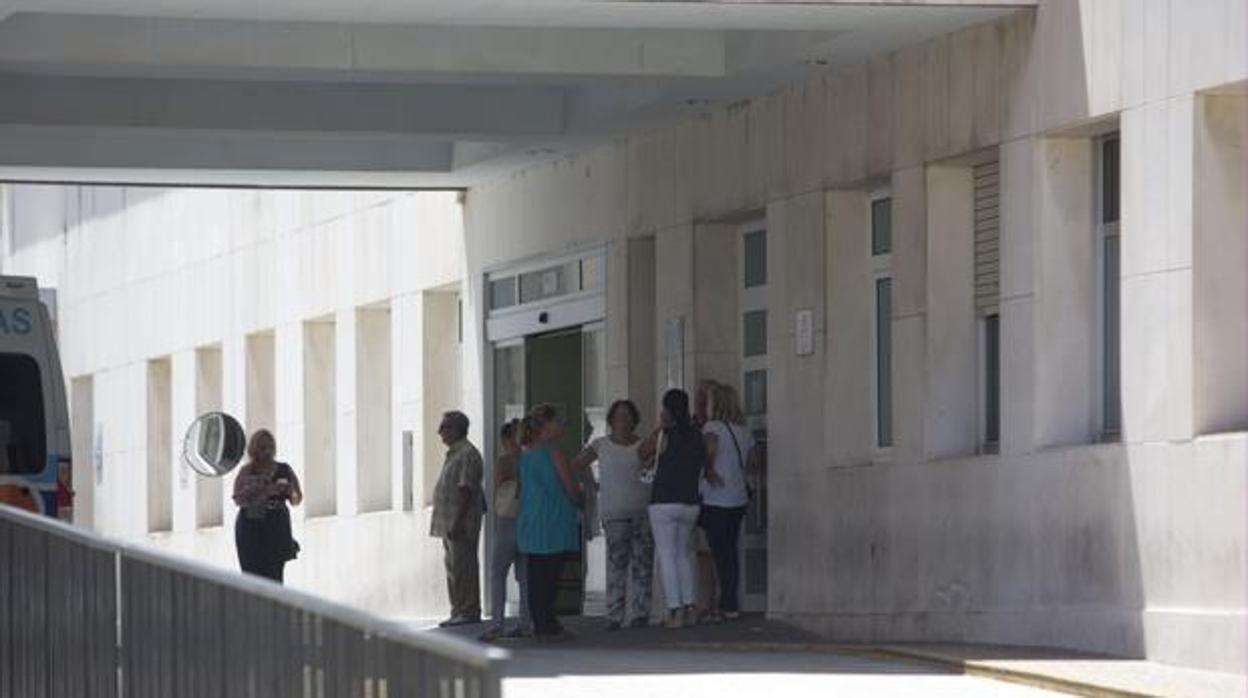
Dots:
{"x": 505, "y": 555}
{"x": 729, "y": 446}
{"x": 262, "y": 490}
{"x": 680, "y": 462}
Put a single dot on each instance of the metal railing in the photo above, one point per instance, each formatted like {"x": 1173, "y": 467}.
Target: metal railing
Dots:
{"x": 83, "y": 616}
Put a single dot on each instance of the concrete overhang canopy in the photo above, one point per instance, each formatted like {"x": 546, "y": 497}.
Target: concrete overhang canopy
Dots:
{"x": 394, "y": 92}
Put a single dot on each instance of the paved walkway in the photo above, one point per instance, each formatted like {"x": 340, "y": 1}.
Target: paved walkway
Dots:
{"x": 621, "y": 673}
{"x": 753, "y": 657}
{"x": 750, "y": 658}
{"x": 1080, "y": 674}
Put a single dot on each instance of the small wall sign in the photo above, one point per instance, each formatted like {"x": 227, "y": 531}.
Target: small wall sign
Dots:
{"x": 805, "y": 322}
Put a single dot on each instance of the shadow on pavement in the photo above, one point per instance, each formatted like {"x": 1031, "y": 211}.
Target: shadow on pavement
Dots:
{"x": 750, "y": 645}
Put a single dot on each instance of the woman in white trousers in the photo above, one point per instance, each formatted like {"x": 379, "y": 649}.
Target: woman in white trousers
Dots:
{"x": 680, "y": 463}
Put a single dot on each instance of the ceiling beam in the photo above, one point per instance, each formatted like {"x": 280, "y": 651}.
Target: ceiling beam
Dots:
{"x": 96, "y": 148}
{"x": 74, "y": 43}
{"x": 456, "y": 111}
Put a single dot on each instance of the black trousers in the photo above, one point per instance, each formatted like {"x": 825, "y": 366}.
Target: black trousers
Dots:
{"x": 543, "y": 577}
{"x": 723, "y": 530}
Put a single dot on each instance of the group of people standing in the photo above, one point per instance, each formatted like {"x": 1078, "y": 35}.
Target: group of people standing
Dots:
{"x": 651, "y": 495}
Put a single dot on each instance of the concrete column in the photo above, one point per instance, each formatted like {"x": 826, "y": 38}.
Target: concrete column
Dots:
{"x": 1066, "y": 299}
{"x": 673, "y": 298}
{"x": 1021, "y": 168}
{"x": 716, "y": 310}
{"x": 407, "y": 363}
{"x": 260, "y": 386}
{"x": 209, "y": 391}
{"x": 909, "y": 313}
{"x": 848, "y": 417}
{"x": 82, "y": 421}
{"x": 158, "y": 444}
{"x": 952, "y": 409}
{"x": 345, "y": 406}
{"x": 442, "y": 384}
{"x": 795, "y": 282}
{"x": 1221, "y": 264}
{"x": 288, "y": 401}
{"x": 182, "y": 410}
{"x": 373, "y": 407}
{"x": 640, "y": 328}
{"x": 233, "y": 403}
{"x": 319, "y": 411}
{"x": 1156, "y": 258}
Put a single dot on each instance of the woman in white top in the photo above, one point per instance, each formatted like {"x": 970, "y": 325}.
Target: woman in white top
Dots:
{"x": 730, "y": 448}
{"x": 622, "y": 500}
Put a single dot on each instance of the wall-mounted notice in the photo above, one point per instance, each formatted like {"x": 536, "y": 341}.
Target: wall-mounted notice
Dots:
{"x": 805, "y": 332}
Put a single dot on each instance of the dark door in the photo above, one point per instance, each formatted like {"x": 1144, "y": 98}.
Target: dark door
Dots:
{"x": 554, "y": 375}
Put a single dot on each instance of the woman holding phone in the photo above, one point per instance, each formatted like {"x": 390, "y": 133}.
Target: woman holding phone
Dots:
{"x": 262, "y": 491}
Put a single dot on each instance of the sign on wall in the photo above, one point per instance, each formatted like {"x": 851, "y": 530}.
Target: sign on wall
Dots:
{"x": 805, "y": 332}
{"x": 674, "y": 345}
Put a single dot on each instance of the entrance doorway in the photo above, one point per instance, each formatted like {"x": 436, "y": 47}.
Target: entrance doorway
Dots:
{"x": 564, "y": 369}
{"x": 546, "y": 327}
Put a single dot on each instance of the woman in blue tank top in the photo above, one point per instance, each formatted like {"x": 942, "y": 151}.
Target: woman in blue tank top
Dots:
{"x": 548, "y": 529}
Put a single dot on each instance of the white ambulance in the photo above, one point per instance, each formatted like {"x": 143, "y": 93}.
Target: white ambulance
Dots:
{"x": 35, "y": 466}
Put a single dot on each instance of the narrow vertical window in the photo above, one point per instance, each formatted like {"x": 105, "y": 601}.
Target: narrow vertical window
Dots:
{"x": 987, "y": 251}
{"x": 883, "y": 362}
{"x": 992, "y": 382}
{"x": 1111, "y": 375}
{"x": 881, "y": 220}
{"x": 755, "y": 259}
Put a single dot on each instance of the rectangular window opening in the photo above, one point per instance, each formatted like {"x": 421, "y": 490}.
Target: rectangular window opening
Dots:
{"x": 884, "y": 362}
{"x": 992, "y": 383}
{"x": 881, "y": 226}
{"x": 1109, "y": 198}
{"x": 754, "y": 326}
{"x": 756, "y": 259}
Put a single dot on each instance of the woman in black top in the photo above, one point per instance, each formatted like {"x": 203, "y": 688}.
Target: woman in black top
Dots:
{"x": 261, "y": 491}
{"x": 680, "y": 461}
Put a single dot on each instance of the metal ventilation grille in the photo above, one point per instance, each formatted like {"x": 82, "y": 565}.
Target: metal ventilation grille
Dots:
{"x": 987, "y": 238}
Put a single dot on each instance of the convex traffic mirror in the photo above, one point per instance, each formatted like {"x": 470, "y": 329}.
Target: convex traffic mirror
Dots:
{"x": 214, "y": 444}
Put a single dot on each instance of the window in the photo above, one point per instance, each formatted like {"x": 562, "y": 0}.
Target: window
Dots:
{"x": 883, "y": 362}
{"x": 756, "y": 259}
{"x": 881, "y": 218}
{"x": 755, "y": 327}
{"x": 753, "y": 249}
{"x": 987, "y": 251}
{"x": 23, "y": 439}
{"x": 1108, "y": 197}
{"x": 756, "y": 393}
{"x": 550, "y": 282}
{"x": 992, "y": 382}
{"x": 502, "y": 293}
{"x": 881, "y": 226}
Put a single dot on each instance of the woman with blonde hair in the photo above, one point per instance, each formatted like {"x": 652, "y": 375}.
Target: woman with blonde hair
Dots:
{"x": 730, "y": 449}
{"x": 262, "y": 491}
{"x": 548, "y": 528}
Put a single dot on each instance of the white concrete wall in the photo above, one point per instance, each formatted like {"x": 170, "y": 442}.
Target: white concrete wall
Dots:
{"x": 221, "y": 283}
{"x": 1135, "y": 547}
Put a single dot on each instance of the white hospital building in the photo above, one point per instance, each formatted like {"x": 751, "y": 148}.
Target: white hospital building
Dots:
{"x": 980, "y": 272}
